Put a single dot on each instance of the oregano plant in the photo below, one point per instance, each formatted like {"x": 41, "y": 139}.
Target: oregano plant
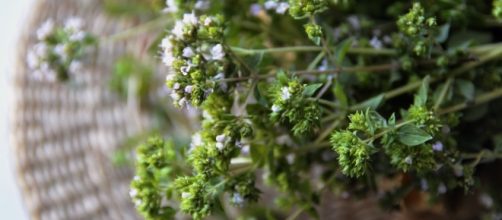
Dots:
{"x": 302, "y": 98}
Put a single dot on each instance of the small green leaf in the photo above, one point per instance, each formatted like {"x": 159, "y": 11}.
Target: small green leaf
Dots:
{"x": 443, "y": 34}
{"x": 421, "y": 96}
{"x": 340, "y": 95}
{"x": 466, "y": 88}
{"x": 282, "y": 77}
{"x": 372, "y": 103}
{"x": 411, "y": 135}
{"x": 341, "y": 51}
{"x": 310, "y": 89}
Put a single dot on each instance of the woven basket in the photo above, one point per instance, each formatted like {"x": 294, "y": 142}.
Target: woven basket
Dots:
{"x": 65, "y": 135}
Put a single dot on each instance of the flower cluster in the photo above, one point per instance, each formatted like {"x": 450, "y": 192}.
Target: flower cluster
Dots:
{"x": 59, "y": 51}
{"x": 353, "y": 153}
{"x": 195, "y": 53}
{"x": 280, "y": 7}
{"x": 177, "y": 6}
{"x": 305, "y": 8}
{"x": 147, "y": 189}
{"x": 292, "y": 104}
{"x": 419, "y": 28}
{"x": 314, "y": 32}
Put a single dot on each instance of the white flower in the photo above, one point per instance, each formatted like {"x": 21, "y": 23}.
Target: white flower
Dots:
{"x": 276, "y": 108}
{"x": 217, "y": 52}
{"x": 438, "y": 146}
{"x": 282, "y": 8}
{"x": 175, "y": 96}
{"x": 168, "y": 59}
{"x": 271, "y": 4}
{"x": 171, "y": 6}
{"x": 176, "y": 86}
{"x": 136, "y": 178}
{"x": 166, "y": 44}
{"x": 219, "y": 76}
{"x": 60, "y": 50}
{"x": 376, "y": 43}
{"x": 255, "y": 9}
{"x": 221, "y": 138}
{"x": 408, "y": 160}
{"x": 196, "y": 141}
{"x": 45, "y": 29}
{"x": 138, "y": 202}
{"x": 220, "y": 146}
{"x": 202, "y": 5}
{"x": 486, "y": 200}
{"x": 442, "y": 188}
{"x": 178, "y": 31}
{"x": 188, "y": 52}
{"x": 290, "y": 158}
{"x": 285, "y": 95}
{"x": 133, "y": 193}
{"x": 237, "y": 199}
{"x": 77, "y": 36}
{"x": 33, "y": 60}
{"x": 170, "y": 77}
{"x": 185, "y": 70}
{"x": 245, "y": 150}
{"x": 185, "y": 195}
{"x": 40, "y": 49}
{"x": 75, "y": 66}
{"x": 73, "y": 24}
{"x": 208, "y": 21}
{"x": 182, "y": 102}
{"x": 190, "y": 19}
{"x": 189, "y": 89}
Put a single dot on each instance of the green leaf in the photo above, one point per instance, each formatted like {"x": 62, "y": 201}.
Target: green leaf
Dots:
{"x": 466, "y": 88}
{"x": 421, "y": 96}
{"x": 375, "y": 121}
{"x": 372, "y": 103}
{"x": 341, "y": 51}
{"x": 411, "y": 135}
{"x": 444, "y": 31}
{"x": 340, "y": 95}
{"x": 282, "y": 77}
{"x": 310, "y": 89}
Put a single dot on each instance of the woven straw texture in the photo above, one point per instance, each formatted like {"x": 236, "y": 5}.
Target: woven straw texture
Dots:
{"x": 65, "y": 135}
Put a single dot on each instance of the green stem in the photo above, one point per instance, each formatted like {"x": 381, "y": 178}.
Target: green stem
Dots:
{"x": 443, "y": 93}
{"x": 137, "y": 30}
{"x": 486, "y": 97}
{"x": 360, "y": 51}
{"x": 384, "y": 132}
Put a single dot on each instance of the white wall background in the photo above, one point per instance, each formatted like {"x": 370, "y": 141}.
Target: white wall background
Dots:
{"x": 13, "y": 17}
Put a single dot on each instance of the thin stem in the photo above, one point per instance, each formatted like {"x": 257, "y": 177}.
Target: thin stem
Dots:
{"x": 384, "y": 132}
{"x": 137, "y": 30}
{"x": 486, "y": 97}
{"x": 443, "y": 93}
{"x": 361, "y": 51}
{"x": 297, "y": 213}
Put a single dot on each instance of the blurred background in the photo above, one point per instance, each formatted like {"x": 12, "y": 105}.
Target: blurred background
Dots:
{"x": 13, "y": 16}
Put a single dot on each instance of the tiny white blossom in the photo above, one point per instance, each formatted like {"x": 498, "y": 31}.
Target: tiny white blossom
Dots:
{"x": 175, "y": 96}
{"x": 408, "y": 160}
{"x": 245, "y": 150}
{"x": 60, "y": 50}
{"x": 285, "y": 94}
{"x": 75, "y": 66}
{"x": 219, "y": 76}
{"x": 221, "y": 138}
{"x": 166, "y": 44}
{"x": 178, "y": 31}
{"x": 271, "y": 4}
{"x": 136, "y": 178}
{"x": 168, "y": 59}
{"x": 171, "y": 6}
{"x": 486, "y": 200}
{"x": 190, "y": 19}
{"x": 423, "y": 184}
{"x": 33, "y": 60}
{"x": 133, "y": 193}
{"x": 290, "y": 158}
{"x": 220, "y": 146}
{"x": 208, "y": 21}
{"x": 282, "y": 8}
{"x": 255, "y": 9}
{"x": 170, "y": 77}
{"x": 176, "y": 86}
{"x": 45, "y": 29}
{"x": 237, "y": 199}
{"x": 188, "y": 52}
{"x": 217, "y": 52}
{"x": 185, "y": 70}
{"x": 442, "y": 188}
{"x": 376, "y": 43}
{"x": 188, "y": 89}
{"x": 438, "y": 146}
{"x": 276, "y": 108}
{"x": 182, "y": 102}
{"x": 202, "y": 5}
{"x": 196, "y": 141}
{"x": 138, "y": 202}
{"x": 73, "y": 24}
{"x": 185, "y": 195}
{"x": 77, "y": 36}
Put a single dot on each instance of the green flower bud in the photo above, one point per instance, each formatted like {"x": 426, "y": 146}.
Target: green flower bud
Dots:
{"x": 353, "y": 153}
